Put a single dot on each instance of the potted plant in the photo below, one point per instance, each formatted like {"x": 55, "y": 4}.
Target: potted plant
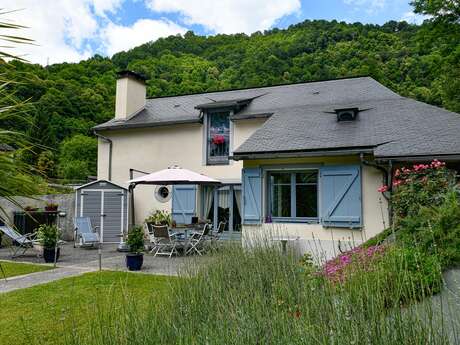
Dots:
{"x": 135, "y": 241}
{"x": 30, "y": 209}
{"x": 51, "y": 206}
{"x": 159, "y": 217}
{"x": 48, "y": 236}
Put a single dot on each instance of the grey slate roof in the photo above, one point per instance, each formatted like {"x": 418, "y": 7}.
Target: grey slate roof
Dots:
{"x": 303, "y": 119}
{"x": 391, "y": 127}
{"x": 167, "y": 110}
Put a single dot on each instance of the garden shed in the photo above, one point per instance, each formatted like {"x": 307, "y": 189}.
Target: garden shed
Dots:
{"x": 105, "y": 203}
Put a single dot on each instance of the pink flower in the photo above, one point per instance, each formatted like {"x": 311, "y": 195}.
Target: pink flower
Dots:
{"x": 383, "y": 189}
{"x": 397, "y": 183}
{"x": 437, "y": 164}
{"x": 397, "y": 172}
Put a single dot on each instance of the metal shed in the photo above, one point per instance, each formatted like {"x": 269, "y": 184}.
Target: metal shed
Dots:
{"x": 105, "y": 203}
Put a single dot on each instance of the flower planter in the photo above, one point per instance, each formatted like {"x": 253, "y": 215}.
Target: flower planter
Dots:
{"x": 48, "y": 254}
{"x": 134, "y": 261}
{"x": 51, "y": 208}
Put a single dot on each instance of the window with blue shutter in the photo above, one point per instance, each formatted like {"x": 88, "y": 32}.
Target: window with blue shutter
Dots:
{"x": 252, "y": 196}
{"x": 341, "y": 196}
{"x": 183, "y": 203}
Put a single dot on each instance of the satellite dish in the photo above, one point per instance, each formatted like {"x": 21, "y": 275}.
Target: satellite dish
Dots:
{"x": 163, "y": 193}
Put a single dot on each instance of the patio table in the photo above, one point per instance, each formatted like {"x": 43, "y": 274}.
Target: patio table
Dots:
{"x": 185, "y": 230}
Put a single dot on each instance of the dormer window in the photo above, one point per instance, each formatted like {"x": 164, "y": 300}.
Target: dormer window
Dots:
{"x": 348, "y": 114}
{"x": 218, "y": 137}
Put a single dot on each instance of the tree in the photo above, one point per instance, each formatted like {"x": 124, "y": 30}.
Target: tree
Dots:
{"x": 77, "y": 157}
{"x": 444, "y": 10}
{"x": 418, "y": 61}
{"x": 45, "y": 163}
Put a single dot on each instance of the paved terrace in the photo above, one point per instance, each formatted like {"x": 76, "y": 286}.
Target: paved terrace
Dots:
{"x": 76, "y": 261}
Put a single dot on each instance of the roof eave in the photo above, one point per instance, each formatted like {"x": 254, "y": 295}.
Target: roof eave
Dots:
{"x": 422, "y": 157}
{"x": 301, "y": 153}
{"x": 146, "y": 125}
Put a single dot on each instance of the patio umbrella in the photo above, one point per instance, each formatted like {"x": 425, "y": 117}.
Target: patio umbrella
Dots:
{"x": 174, "y": 175}
{"x": 171, "y": 176}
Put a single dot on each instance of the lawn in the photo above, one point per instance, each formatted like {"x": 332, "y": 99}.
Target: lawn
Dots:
{"x": 12, "y": 269}
{"x": 41, "y": 313}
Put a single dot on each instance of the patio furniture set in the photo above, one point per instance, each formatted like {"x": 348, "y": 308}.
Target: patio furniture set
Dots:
{"x": 187, "y": 239}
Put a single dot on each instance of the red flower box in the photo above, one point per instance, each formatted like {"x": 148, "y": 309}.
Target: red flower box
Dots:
{"x": 218, "y": 139}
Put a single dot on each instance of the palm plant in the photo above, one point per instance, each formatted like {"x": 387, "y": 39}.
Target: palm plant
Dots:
{"x": 6, "y": 25}
{"x": 16, "y": 176}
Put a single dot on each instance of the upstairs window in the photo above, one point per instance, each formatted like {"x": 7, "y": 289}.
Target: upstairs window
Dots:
{"x": 293, "y": 195}
{"x": 218, "y": 138}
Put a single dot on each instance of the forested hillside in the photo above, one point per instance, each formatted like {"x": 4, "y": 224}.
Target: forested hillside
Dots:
{"x": 66, "y": 100}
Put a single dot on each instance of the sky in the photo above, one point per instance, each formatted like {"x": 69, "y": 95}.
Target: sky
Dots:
{"x": 72, "y": 30}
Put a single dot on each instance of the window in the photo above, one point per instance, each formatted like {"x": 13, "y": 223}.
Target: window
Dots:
{"x": 218, "y": 138}
{"x": 293, "y": 194}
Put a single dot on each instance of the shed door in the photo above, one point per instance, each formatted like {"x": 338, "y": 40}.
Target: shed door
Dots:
{"x": 112, "y": 215}
{"x": 90, "y": 206}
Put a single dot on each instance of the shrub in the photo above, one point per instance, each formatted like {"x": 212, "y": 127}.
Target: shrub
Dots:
{"x": 435, "y": 230}
{"x": 135, "y": 239}
{"x": 422, "y": 185}
{"x": 48, "y": 235}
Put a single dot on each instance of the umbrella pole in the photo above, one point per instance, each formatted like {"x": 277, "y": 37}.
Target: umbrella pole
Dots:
{"x": 131, "y": 203}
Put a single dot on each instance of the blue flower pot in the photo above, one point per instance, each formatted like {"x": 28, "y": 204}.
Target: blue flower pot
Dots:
{"x": 134, "y": 261}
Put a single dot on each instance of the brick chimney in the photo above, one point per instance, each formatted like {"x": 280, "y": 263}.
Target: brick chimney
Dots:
{"x": 130, "y": 96}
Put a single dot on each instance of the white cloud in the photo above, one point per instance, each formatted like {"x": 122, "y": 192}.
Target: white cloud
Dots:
{"x": 60, "y": 28}
{"x": 118, "y": 37}
{"x": 371, "y": 5}
{"x": 413, "y": 18}
{"x": 228, "y": 16}
{"x": 103, "y": 6}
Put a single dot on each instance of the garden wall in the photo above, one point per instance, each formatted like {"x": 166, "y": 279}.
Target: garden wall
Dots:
{"x": 66, "y": 209}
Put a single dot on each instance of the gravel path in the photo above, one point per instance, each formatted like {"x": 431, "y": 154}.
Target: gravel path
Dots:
{"x": 37, "y": 278}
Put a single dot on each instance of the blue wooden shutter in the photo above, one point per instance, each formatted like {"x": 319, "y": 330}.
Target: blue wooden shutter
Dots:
{"x": 341, "y": 196}
{"x": 183, "y": 203}
{"x": 252, "y": 196}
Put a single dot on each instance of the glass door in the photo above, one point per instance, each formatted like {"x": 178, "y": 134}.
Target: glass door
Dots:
{"x": 223, "y": 205}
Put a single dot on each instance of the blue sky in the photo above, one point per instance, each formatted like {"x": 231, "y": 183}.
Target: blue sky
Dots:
{"x": 71, "y": 30}
{"x": 377, "y": 12}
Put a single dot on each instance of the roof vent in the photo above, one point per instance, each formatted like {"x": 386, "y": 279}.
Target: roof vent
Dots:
{"x": 347, "y": 114}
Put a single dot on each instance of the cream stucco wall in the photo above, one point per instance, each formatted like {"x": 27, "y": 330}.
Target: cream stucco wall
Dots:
{"x": 153, "y": 149}
{"x": 321, "y": 241}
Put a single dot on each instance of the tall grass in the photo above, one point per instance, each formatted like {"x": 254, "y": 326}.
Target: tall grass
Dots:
{"x": 261, "y": 296}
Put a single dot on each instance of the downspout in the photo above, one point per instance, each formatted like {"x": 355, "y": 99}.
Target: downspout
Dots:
{"x": 387, "y": 180}
{"x": 109, "y": 174}
{"x": 386, "y": 174}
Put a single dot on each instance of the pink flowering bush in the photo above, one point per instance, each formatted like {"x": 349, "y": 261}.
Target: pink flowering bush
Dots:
{"x": 398, "y": 274}
{"x": 358, "y": 259}
{"x": 419, "y": 186}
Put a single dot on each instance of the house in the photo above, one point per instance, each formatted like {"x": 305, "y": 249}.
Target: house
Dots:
{"x": 303, "y": 160}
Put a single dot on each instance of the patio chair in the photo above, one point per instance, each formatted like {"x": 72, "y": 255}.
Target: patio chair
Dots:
{"x": 148, "y": 231}
{"x": 22, "y": 242}
{"x": 197, "y": 240}
{"x": 216, "y": 235}
{"x": 164, "y": 243}
{"x": 85, "y": 234}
